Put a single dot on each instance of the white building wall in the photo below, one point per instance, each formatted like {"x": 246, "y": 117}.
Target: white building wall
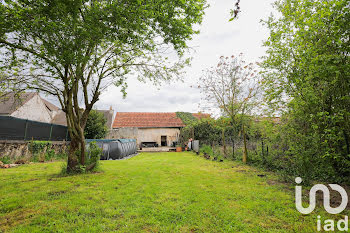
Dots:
{"x": 34, "y": 110}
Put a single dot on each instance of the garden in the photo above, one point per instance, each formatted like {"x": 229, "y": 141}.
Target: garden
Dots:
{"x": 152, "y": 192}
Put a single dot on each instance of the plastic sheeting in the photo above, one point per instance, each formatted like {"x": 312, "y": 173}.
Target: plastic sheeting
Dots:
{"x": 12, "y": 128}
{"x": 115, "y": 148}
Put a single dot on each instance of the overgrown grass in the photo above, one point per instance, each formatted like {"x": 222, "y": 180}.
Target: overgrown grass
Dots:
{"x": 156, "y": 192}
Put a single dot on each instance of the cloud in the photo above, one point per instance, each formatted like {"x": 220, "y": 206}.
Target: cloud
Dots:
{"x": 218, "y": 37}
{"x": 144, "y": 97}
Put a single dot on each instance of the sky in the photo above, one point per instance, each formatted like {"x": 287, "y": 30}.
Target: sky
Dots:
{"x": 217, "y": 37}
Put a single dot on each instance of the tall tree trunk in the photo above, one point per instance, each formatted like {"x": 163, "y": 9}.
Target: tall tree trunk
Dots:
{"x": 73, "y": 160}
{"x": 233, "y": 138}
{"x": 262, "y": 150}
{"x": 77, "y": 117}
{"x": 76, "y": 121}
{"x": 224, "y": 142}
{"x": 77, "y": 151}
{"x": 233, "y": 147}
{"x": 245, "y": 152}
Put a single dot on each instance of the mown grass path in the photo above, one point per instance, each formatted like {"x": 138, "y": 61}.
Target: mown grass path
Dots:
{"x": 156, "y": 192}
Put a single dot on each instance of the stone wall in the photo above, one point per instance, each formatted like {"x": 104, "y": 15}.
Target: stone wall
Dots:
{"x": 19, "y": 149}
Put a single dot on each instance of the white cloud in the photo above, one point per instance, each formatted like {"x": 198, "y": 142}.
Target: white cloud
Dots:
{"x": 218, "y": 37}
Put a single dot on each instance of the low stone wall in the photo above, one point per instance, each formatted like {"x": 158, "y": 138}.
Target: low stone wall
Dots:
{"x": 15, "y": 150}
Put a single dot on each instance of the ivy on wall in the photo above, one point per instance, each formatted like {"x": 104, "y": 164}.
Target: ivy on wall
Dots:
{"x": 186, "y": 117}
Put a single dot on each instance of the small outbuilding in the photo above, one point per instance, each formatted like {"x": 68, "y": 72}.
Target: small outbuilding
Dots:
{"x": 150, "y": 129}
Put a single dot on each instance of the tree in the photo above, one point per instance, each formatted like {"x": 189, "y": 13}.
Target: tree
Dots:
{"x": 75, "y": 49}
{"x": 235, "y": 11}
{"x": 2, "y": 85}
{"x": 8, "y": 85}
{"x": 307, "y": 71}
{"x": 232, "y": 87}
{"x": 95, "y": 126}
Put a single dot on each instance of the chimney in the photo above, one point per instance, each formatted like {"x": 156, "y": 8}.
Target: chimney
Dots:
{"x": 110, "y": 108}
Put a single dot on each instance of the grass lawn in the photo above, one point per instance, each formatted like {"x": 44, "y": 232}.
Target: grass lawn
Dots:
{"x": 152, "y": 192}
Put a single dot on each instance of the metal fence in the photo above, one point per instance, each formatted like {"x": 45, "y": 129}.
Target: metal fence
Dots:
{"x": 12, "y": 128}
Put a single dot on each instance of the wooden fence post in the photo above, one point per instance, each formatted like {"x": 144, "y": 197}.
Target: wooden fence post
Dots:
{"x": 224, "y": 142}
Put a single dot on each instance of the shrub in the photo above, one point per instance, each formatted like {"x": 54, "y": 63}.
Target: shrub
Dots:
{"x": 186, "y": 117}
{"x": 42, "y": 151}
{"x": 206, "y": 149}
{"x": 93, "y": 156}
{"x": 95, "y": 152}
{"x": 61, "y": 156}
{"x": 5, "y": 159}
{"x": 96, "y": 125}
{"x": 218, "y": 152}
{"x": 36, "y": 147}
{"x": 50, "y": 154}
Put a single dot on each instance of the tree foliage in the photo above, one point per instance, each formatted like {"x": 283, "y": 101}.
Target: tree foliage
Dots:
{"x": 307, "y": 76}
{"x": 75, "y": 49}
{"x": 96, "y": 127}
{"x": 236, "y": 10}
{"x": 186, "y": 117}
{"x": 233, "y": 87}
{"x": 205, "y": 130}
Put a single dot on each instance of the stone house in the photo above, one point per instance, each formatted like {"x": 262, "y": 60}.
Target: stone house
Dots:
{"x": 32, "y": 106}
{"x": 149, "y": 128}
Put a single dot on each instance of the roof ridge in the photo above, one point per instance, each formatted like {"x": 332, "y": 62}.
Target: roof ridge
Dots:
{"x": 199, "y": 113}
{"x": 150, "y": 119}
{"x": 165, "y": 112}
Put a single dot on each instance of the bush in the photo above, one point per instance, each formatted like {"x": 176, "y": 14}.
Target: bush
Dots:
{"x": 96, "y": 125}
{"x": 92, "y": 160}
{"x": 218, "y": 152}
{"x": 50, "y": 154}
{"x": 186, "y": 117}
{"x": 93, "y": 156}
{"x": 206, "y": 149}
{"x": 5, "y": 159}
{"x": 42, "y": 151}
{"x": 36, "y": 147}
{"x": 95, "y": 152}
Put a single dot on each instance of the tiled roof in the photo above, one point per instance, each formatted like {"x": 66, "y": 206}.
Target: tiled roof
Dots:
{"x": 150, "y": 119}
{"x": 50, "y": 106}
{"x": 60, "y": 118}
